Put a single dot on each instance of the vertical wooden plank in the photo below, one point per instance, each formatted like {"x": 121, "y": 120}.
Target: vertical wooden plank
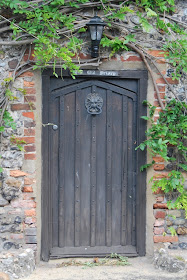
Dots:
{"x": 124, "y": 172}
{"x": 53, "y": 152}
{"x": 45, "y": 246}
{"x": 93, "y": 184}
{"x": 130, "y": 172}
{"x": 116, "y": 167}
{"x": 69, "y": 162}
{"x": 109, "y": 169}
{"x": 134, "y": 144}
{"x": 61, "y": 174}
{"x": 101, "y": 171}
{"x": 93, "y": 181}
{"x": 77, "y": 171}
{"x": 85, "y": 170}
{"x": 50, "y": 201}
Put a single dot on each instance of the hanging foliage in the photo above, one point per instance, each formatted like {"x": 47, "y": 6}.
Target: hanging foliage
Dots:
{"x": 49, "y": 25}
{"x": 168, "y": 139}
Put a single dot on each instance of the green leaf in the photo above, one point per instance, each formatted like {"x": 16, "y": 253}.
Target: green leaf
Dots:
{"x": 55, "y": 74}
{"x": 142, "y": 146}
{"x": 145, "y": 118}
{"x": 183, "y": 166}
{"x": 82, "y": 30}
{"x": 151, "y": 13}
{"x": 145, "y": 166}
{"x": 173, "y": 231}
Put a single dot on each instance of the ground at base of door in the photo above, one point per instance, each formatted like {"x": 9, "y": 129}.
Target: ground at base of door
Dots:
{"x": 140, "y": 268}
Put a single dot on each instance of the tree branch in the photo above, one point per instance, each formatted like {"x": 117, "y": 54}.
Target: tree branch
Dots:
{"x": 23, "y": 71}
{"x": 19, "y": 61}
{"x": 132, "y": 46}
{"x": 170, "y": 87}
{"x": 4, "y": 29}
{"x": 5, "y": 21}
{"x": 150, "y": 72}
{"x": 175, "y": 20}
{"x": 17, "y": 43}
{"x": 3, "y": 110}
{"x": 8, "y": 20}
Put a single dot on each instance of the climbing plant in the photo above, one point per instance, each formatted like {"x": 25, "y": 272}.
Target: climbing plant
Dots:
{"x": 56, "y": 30}
{"x": 168, "y": 138}
{"x": 52, "y": 26}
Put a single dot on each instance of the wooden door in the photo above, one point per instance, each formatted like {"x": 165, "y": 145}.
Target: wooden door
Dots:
{"x": 92, "y": 166}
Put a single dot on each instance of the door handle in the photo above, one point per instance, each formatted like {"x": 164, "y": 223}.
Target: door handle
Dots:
{"x": 55, "y": 127}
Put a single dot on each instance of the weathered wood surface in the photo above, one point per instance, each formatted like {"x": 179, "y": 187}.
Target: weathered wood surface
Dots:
{"x": 93, "y": 168}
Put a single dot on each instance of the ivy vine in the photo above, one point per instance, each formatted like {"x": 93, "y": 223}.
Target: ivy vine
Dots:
{"x": 168, "y": 138}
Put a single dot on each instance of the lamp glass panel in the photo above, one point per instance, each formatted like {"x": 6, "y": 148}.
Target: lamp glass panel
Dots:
{"x": 93, "y": 32}
{"x": 96, "y": 32}
{"x": 99, "y": 32}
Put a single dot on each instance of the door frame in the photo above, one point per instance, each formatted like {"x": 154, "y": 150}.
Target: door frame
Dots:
{"x": 46, "y": 203}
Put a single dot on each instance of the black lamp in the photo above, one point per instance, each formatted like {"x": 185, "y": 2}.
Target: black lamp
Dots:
{"x": 96, "y": 26}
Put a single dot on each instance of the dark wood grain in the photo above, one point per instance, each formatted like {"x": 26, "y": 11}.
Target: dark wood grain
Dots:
{"x": 77, "y": 171}
{"x": 135, "y": 183}
{"x": 69, "y": 152}
{"x": 86, "y": 120}
{"x": 116, "y": 167}
{"x": 93, "y": 183}
{"x": 54, "y": 175}
{"x": 93, "y": 177}
{"x": 124, "y": 173}
{"x": 100, "y": 168}
{"x": 92, "y": 251}
{"x": 130, "y": 170}
{"x": 109, "y": 125}
{"x": 88, "y": 83}
{"x": 61, "y": 174}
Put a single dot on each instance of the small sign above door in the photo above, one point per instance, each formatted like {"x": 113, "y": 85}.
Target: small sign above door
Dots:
{"x": 99, "y": 73}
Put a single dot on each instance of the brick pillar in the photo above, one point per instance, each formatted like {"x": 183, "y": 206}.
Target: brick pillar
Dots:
{"x": 26, "y": 200}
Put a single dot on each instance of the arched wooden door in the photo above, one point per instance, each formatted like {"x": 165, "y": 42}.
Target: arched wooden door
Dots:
{"x": 92, "y": 166}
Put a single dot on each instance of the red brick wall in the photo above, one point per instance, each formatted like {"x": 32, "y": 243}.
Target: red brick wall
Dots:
{"x": 27, "y": 200}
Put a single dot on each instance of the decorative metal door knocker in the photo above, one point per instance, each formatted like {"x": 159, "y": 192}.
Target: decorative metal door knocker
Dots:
{"x": 94, "y": 103}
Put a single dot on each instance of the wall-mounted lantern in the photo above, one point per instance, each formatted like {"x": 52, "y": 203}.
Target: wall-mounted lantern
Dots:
{"x": 96, "y": 26}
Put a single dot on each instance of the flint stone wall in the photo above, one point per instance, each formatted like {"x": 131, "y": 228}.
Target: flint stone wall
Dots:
{"x": 18, "y": 263}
